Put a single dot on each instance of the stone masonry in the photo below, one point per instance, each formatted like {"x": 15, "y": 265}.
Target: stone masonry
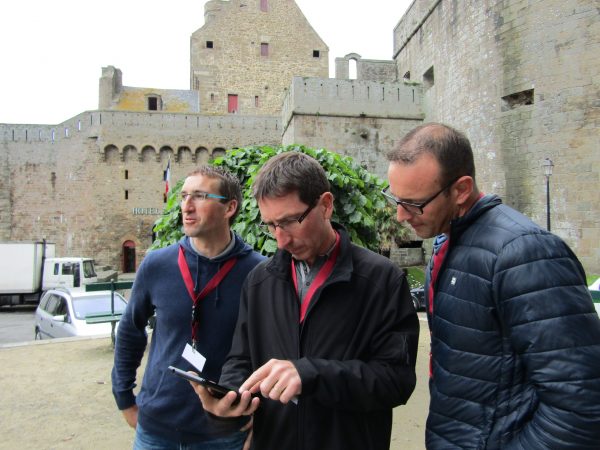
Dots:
{"x": 522, "y": 80}
{"x": 226, "y": 56}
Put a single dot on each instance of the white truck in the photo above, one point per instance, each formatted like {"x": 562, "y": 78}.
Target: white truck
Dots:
{"x": 27, "y": 269}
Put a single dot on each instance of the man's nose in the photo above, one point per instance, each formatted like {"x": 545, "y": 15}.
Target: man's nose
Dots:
{"x": 282, "y": 237}
{"x": 402, "y": 214}
{"x": 187, "y": 203}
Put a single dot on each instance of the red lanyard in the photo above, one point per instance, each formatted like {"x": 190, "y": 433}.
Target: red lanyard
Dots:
{"x": 189, "y": 284}
{"x": 437, "y": 260}
{"x": 321, "y": 277}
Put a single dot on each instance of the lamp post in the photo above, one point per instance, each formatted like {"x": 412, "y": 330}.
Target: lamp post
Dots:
{"x": 547, "y": 165}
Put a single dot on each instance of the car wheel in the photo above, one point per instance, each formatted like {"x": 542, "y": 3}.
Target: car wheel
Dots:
{"x": 38, "y": 335}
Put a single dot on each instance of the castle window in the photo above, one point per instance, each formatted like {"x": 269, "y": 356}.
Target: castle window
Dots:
{"x": 126, "y": 174}
{"x": 428, "y": 78}
{"x": 517, "y": 99}
{"x": 126, "y": 194}
{"x": 264, "y": 5}
{"x": 232, "y": 103}
{"x": 256, "y": 101}
{"x": 316, "y": 54}
{"x": 154, "y": 103}
{"x": 212, "y": 98}
{"x": 352, "y": 69}
{"x": 264, "y": 49}
{"x": 407, "y": 76}
{"x": 209, "y": 44}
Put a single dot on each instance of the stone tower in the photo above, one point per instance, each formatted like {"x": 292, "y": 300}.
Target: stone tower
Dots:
{"x": 243, "y": 58}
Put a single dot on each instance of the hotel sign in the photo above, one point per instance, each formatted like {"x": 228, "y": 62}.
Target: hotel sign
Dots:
{"x": 146, "y": 211}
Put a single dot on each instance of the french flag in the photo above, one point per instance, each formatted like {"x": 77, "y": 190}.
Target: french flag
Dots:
{"x": 167, "y": 179}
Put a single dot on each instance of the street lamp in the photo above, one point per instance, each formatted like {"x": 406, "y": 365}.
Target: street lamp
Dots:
{"x": 547, "y": 165}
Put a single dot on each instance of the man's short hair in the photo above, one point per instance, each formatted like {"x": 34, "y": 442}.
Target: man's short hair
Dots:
{"x": 450, "y": 147}
{"x": 291, "y": 172}
{"x": 229, "y": 185}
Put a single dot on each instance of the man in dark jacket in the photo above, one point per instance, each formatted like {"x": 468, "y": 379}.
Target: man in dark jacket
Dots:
{"x": 173, "y": 282}
{"x": 515, "y": 339}
{"x": 327, "y": 332}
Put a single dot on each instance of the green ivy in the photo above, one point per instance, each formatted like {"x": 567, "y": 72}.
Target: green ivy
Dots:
{"x": 359, "y": 205}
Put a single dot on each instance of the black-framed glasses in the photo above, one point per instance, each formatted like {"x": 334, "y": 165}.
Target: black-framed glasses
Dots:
{"x": 198, "y": 196}
{"x": 411, "y": 207}
{"x": 288, "y": 224}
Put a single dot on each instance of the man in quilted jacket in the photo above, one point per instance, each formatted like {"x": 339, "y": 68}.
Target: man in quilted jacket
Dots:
{"x": 515, "y": 339}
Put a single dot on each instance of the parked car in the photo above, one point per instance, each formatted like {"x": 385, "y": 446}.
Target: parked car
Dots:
{"x": 62, "y": 313}
{"x": 418, "y": 298}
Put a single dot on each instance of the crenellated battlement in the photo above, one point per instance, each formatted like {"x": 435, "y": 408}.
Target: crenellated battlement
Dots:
{"x": 352, "y": 98}
{"x": 113, "y": 124}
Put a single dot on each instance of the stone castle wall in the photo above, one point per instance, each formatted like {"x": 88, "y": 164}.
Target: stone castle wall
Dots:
{"x": 362, "y": 119}
{"x": 366, "y": 69}
{"x": 96, "y": 180}
{"x": 114, "y": 96}
{"x": 520, "y": 78}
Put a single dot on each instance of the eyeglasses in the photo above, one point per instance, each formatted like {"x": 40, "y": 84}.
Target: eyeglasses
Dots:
{"x": 198, "y": 196}
{"x": 289, "y": 224}
{"x": 411, "y": 207}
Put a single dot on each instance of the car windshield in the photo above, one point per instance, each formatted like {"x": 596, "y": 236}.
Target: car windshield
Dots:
{"x": 97, "y": 304}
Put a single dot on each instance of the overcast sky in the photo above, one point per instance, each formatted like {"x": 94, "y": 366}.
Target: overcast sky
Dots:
{"x": 53, "y": 51}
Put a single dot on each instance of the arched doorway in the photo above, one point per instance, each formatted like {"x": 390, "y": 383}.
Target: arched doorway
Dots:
{"x": 128, "y": 257}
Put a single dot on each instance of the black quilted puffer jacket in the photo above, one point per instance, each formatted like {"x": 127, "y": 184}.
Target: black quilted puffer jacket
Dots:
{"x": 515, "y": 339}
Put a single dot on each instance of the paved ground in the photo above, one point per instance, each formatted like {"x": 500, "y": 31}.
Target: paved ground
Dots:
{"x": 17, "y": 324}
{"x": 57, "y": 395}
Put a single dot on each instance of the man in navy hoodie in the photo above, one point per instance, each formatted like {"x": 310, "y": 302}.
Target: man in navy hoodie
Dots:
{"x": 194, "y": 289}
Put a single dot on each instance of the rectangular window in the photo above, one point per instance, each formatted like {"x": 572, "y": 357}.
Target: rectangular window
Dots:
{"x": 316, "y": 54}
{"x": 209, "y": 44}
{"x": 264, "y": 5}
{"x": 126, "y": 174}
{"x": 256, "y": 101}
{"x": 517, "y": 99}
{"x": 126, "y": 194}
{"x": 152, "y": 104}
{"x": 212, "y": 97}
{"x": 264, "y": 49}
{"x": 232, "y": 103}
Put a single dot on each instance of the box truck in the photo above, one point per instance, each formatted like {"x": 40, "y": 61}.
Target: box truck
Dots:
{"x": 27, "y": 269}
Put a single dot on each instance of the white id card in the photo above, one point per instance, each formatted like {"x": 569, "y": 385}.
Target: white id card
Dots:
{"x": 194, "y": 357}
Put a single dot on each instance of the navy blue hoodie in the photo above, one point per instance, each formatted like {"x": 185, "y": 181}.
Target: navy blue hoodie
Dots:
{"x": 167, "y": 404}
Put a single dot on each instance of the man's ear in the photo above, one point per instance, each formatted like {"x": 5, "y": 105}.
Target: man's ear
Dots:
{"x": 327, "y": 201}
{"x": 231, "y": 208}
{"x": 463, "y": 189}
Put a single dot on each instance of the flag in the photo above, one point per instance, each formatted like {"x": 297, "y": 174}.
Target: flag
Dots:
{"x": 167, "y": 179}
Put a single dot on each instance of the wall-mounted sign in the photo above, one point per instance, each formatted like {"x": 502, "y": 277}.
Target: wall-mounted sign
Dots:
{"x": 146, "y": 212}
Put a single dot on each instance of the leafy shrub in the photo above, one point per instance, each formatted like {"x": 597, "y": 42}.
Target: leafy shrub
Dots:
{"x": 359, "y": 205}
